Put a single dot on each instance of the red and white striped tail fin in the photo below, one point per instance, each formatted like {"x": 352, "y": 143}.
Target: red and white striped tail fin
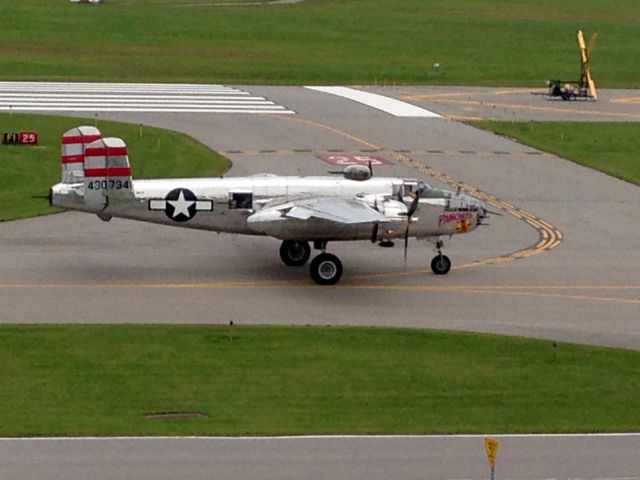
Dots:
{"x": 74, "y": 143}
{"x": 107, "y": 173}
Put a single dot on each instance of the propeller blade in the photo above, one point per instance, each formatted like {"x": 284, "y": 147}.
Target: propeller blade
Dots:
{"x": 580, "y": 39}
{"x": 374, "y": 234}
{"x": 411, "y": 210}
{"x": 494, "y": 213}
{"x": 592, "y": 85}
{"x": 414, "y": 205}
{"x": 582, "y": 47}
{"x": 592, "y": 44}
{"x": 406, "y": 242}
{"x": 370, "y": 169}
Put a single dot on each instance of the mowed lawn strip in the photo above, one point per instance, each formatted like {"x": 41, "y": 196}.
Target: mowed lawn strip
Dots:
{"x": 28, "y": 172}
{"x": 320, "y": 42}
{"x": 102, "y": 380}
{"x": 612, "y": 148}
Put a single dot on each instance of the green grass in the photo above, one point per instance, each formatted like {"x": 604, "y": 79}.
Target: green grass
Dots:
{"x": 612, "y": 148}
{"x": 26, "y": 172}
{"x": 102, "y": 380}
{"x": 481, "y": 42}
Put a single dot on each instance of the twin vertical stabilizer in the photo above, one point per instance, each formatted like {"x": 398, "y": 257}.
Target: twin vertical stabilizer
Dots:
{"x": 74, "y": 142}
{"x": 100, "y": 165}
{"x": 107, "y": 173}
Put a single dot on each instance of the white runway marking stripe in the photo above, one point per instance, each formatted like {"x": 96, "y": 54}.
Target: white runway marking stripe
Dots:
{"x": 77, "y": 86}
{"x": 89, "y": 97}
{"x": 135, "y": 101}
{"x": 389, "y": 105}
{"x": 145, "y": 109}
{"x": 141, "y": 104}
{"x": 131, "y": 97}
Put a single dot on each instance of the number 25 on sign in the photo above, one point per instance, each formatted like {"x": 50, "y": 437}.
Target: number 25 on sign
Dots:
{"x": 491, "y": 447}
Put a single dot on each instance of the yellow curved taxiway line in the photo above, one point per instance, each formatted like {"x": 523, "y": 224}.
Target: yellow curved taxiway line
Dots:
{"x": 550, "y": 236}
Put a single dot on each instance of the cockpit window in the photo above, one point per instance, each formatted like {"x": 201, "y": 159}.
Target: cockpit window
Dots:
{"x": 434, "y": 193}
{"x": 410, "y": 187}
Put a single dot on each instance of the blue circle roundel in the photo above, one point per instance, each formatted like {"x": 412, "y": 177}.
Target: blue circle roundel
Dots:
{"x": 181, "y": 205}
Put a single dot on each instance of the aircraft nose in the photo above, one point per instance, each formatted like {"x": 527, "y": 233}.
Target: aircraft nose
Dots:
{"x": 475, "y": 204}
{"x": 478, "y": 206}
{"x": 484, "y": 212}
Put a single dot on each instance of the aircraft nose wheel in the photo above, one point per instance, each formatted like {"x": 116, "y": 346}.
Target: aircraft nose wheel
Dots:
{"x": 441, "y": 264}
{"x": 326, "y": 269}
{"x": 294, "y": 253}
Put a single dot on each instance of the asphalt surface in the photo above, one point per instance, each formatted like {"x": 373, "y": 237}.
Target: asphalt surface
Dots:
{"x": 561, "y": 264}
{"x": 377, "y": 458}
{"x": 522, "y": 104}
{"x": 585, "y": 289}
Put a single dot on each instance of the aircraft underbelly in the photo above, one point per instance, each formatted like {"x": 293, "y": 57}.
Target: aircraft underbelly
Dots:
{"x": 430, "y": 223}
{"x": 227, "y": 221}
{"x": 312, "y": 229}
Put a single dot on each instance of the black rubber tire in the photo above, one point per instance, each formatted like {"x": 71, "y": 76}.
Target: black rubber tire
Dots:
{"x": 326, "y": 269}
{"x": 440, "y": 265}
{"x": 295, "y": 253}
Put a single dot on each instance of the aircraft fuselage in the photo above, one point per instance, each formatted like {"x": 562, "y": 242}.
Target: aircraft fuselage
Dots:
{"x": 244, "y": 205}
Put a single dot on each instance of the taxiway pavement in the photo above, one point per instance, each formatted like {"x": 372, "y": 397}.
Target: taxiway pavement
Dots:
{"x": 563, "y": 265}
{"x": 584, "y": 289}
{"x": 558, "y": 457}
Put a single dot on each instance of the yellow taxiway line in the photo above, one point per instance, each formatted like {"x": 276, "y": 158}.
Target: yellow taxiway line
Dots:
{"x": 517, "y": 106}
{"x": 561, "y": 292}
{"x": 626, "y": 100}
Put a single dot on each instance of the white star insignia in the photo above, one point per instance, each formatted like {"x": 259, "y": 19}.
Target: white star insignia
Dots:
{"x": 181, "y": 206}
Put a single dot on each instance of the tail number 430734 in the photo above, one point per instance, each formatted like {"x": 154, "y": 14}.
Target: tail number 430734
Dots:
{"x": 108, "y": 184}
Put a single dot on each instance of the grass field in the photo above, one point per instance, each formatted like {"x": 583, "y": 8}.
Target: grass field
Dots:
{"x": 612, "y": 148}
{"x": 480, "y": 42}
{"x": 26, "y": 172}
{"x": 102, "y": 380}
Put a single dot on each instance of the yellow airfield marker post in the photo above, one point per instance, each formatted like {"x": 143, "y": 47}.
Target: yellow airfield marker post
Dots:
{"x": 491, "y": 447}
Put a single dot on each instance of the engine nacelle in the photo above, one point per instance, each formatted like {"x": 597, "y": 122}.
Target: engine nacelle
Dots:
{"x": 357, "y": 172}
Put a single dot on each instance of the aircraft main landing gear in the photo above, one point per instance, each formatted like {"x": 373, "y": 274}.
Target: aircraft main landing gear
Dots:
{"x": 441, "y": 264}
{"x": 295, "y": 253}
{"x": 326, "y": 269}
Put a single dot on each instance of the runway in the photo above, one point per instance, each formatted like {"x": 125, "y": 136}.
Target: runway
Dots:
{"x": 59, "y": 97}
{"x": 561, "y": 264}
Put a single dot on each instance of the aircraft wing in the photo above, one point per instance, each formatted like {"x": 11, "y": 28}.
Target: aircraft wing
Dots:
{"x": 335, "y": 209}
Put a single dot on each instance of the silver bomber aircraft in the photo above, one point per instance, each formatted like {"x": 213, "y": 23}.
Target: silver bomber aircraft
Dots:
{"x": 96, "y": 178}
